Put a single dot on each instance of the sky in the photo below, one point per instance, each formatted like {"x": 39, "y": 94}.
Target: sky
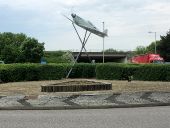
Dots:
{"x": 128, "y": 22}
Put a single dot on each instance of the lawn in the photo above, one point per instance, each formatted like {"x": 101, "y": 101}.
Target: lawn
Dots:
{"x": 34, "y": 87}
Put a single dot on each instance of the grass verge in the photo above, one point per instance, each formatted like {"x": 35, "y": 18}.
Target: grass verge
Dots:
{"x": 34, "y": 87}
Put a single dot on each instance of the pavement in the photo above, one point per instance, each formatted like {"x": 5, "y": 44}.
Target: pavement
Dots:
{"x": 85, "y": 101}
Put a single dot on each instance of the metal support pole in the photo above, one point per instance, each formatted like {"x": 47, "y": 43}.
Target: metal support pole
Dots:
{"x": 155, "y": 40}
{"x": 103, "y": 43}
{"x": 155, "y": 43}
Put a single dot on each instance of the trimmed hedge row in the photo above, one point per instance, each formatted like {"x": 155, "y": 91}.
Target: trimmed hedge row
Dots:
{"x": 82, "y": 70}
{"x": 109, "y": 71}
{"x": 145, "y": 72}
{"x": 115, "y": 71}
{"x": 153, "y": 72}
{"x": 30, "y": 72}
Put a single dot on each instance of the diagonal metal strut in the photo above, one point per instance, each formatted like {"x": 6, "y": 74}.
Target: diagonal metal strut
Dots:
{"x": 83, "y": 47}
{"x": 82, "y": 41}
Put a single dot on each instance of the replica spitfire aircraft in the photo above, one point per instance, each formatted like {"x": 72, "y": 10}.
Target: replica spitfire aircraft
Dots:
{"x": 87, "y": 25}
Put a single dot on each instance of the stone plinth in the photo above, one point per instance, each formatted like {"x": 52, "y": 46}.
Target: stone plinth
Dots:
{"x": 76, "y": 86}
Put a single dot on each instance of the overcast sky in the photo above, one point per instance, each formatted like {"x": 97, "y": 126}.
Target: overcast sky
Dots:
{"x": 128, "y": 21}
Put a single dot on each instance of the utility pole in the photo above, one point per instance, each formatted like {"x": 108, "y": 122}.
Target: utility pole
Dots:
{"x": 103, "y": 43}
{"x": 155, "y": 40}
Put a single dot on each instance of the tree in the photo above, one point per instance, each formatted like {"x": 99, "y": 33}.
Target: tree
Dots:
{"x": 111, "y": 50}
{"x": 67, "y": 57}
{"x": 151, "y": 47}
{"x": 9, "y": 54}
{"x": 140, "y": 50}
{"x": 164, "y": 46}
{"x": 16, "y": 48}
{"x": 31, "y": 50}
{"x": 59, "y": 56}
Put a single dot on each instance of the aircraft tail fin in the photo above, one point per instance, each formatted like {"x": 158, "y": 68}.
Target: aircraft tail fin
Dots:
{"x": 105, "y": 32}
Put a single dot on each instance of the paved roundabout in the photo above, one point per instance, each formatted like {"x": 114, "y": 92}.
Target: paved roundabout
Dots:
{"x": 85, "y": 101}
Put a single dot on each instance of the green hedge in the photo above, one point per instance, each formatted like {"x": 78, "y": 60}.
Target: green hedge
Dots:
{"x": 110, "y": 71}
{"x": 115, "y": 71}
{"x": 27, "y": 72}
{"x": 82, "y": 70}
{"x": 143, "y": 72}
{"x": 30, "y": 72}
{"x": 153, "y": 72}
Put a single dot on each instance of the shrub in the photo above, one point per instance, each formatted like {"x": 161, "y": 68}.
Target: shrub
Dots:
{"x": 152, "y": 72}
{"x": 82, "y": 70}
{"x": 110, "y": 71}
{"x": 27, "y": 72}
{"x": 144, "y": 72}
{"x": 52, "y": 71}
{"x": 115, "y": 71}
{"x": 167, "y": 72}
{"x": 30, "y": 72}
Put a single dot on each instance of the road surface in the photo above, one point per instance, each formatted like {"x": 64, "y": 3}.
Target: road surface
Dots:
{"x": 146, "y": 117}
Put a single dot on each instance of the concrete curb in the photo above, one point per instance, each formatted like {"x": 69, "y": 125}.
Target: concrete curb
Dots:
{"x": 85, "y": 107}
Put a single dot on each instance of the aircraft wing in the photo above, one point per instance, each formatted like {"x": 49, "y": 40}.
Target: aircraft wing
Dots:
{"x": 92, "y": 26}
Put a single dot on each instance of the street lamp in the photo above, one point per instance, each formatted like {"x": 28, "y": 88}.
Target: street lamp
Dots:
{"x": 103, "y": 43}
{"x": 155, "y": 39}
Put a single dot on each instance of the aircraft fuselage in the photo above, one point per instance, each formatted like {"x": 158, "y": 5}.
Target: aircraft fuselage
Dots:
{"x": 87, "y": 25}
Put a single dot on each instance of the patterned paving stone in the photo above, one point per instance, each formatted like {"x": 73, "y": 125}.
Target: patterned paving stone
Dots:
{"x": 69, "y": 101}
{"x": 85, "y": 100}
{"x": 10, "y": 101}
{"x": 92, "y": 100}
{"x": 132, "y": 98}
{"x": 161, "y": 97}
{"x": 113, "y": 99}
{"x": 147, "y": 96}
{"x": 47, "y": 101}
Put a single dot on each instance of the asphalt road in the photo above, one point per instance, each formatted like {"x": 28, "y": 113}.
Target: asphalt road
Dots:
{"x": 146, "y": 117}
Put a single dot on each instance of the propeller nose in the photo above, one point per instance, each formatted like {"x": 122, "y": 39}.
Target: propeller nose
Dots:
{"x": 73, "y": 15}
